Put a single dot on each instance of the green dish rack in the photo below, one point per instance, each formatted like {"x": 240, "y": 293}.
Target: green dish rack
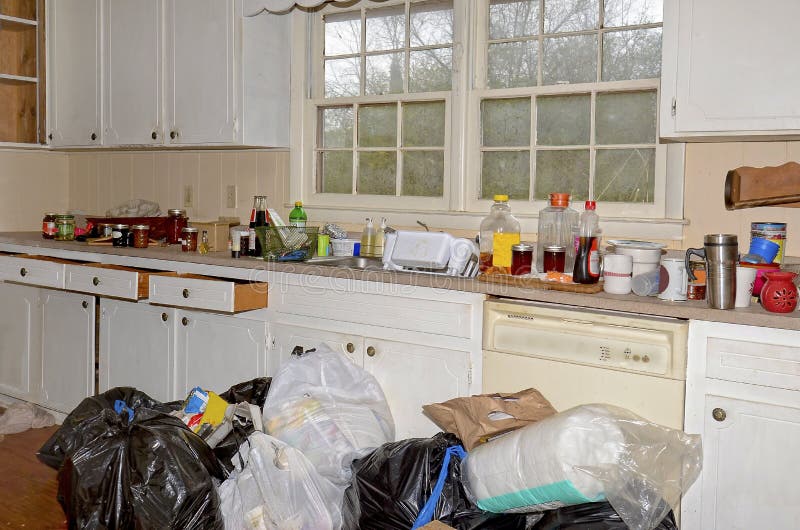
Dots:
{"x": 287, "y": 243}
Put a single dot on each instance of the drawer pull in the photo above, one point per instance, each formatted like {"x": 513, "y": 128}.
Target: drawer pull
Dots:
{"x": 185, "y": 321}
{"x": 23, "y": 271}
{"x": 350, "y": 347}
{"x": 186, "y": 293}
{"x": 85, "y": 304}
{"x": 719, "y": 414}
{"x": 371, "y": 351}
{"x": 95, "y": 281}
{"x": 164, "y": 317}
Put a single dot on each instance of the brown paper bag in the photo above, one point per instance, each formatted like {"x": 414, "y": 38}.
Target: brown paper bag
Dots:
{"x": 476, "y": 419}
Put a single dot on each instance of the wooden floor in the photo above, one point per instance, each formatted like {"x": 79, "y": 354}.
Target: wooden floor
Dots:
{"x": 28, "y": 487}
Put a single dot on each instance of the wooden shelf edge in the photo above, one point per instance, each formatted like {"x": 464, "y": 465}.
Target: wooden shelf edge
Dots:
{"x": 17, "y": 21}
{"x": 18, "y": 78}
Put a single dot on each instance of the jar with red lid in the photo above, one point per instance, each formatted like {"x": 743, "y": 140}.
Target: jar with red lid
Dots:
{"x": 177, "y": 222}
{"x": 521, "y": 258}
{"x": 189, "y": 239}
{"x": 49, "y": 226}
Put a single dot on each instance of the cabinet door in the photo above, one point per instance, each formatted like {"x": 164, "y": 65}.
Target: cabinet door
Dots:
{"x": 285, "y": 338}
{"x": 20, "y": 346}
{"x": 732, "y": 73}
{"x": 413, "y": 375}
{"x": 133, "y": 72}
{"x": 137, "y": 345}
{"x": 200, "y": 71}
{"x": 73, "y": 83}
{"x": 746, "y": 482}
{"x": 68, "y": 321}
{"x": 217, "y": 351}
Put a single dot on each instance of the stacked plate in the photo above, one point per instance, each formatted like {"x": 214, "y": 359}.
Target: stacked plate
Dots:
{"x": 646, "y": 254}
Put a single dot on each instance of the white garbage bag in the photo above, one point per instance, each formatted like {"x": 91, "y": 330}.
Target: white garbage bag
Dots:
{"x": 21, "y": 417}
{"x": 330, "y": 409}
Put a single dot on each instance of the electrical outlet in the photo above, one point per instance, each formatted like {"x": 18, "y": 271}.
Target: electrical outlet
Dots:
{"x": 188, "y": 196}
{"x": 230, "y": 194}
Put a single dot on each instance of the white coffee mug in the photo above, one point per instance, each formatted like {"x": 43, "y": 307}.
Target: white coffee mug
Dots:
{"x": 617, "y": 269}
{"x": 745, "y": 278}
{"x": 673, "y": 280}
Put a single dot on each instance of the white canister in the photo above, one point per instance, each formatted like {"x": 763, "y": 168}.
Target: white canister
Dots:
{"x": 673, "y": 280}
{"x": 617, "y": 272}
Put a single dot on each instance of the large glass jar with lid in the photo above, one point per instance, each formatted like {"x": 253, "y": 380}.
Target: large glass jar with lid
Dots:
{"x": 499, "y": 232}
{"x": 556, "y": 225}
{"x": 175, "y": 225}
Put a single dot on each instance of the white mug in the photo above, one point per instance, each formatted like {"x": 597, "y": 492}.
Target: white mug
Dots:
{"x": 673, "y": 280}
{"x": 617, "y": 269}
{"x": 745, "y": 278}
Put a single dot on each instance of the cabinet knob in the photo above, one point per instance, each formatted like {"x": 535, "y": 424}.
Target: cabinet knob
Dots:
{"x": 719, "y": 414}
{"x": 164, "y": 317}
{"x": 154, "y": 135}
{"x": 23, "y": 271}
{"x": 173, "y": 134}
{"x": 371, "y": 351}
{"x": 95, "y": 281}
{"x": 297, "y": 351}
{"x": 85, "y": 304}
{"x": 350, "y": 347}
{"x": 185, "y": 321}
{"x": 186, "y": 293}
{"x": 93, "y": 137}
{"x": 50, "y": 136}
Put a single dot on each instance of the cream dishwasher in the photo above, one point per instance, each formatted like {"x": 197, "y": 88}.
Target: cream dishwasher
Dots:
{"x": 575, "y": 356}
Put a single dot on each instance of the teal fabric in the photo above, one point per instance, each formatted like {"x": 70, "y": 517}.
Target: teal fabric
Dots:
{"x": 563, "y": 492}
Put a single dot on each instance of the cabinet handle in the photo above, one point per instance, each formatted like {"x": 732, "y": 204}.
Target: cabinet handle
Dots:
{"x": 93, "y": 137}
{"x": 371, "y": 351}
{"x": 95, "y": 281}
{"x": 154, "y": 135}
{"x": 164, "y": 317}
{"x": 350, "y": 347}
{"x": 185, "y": 321}
{"x": 23, "y": 271}
{"x": 719, "y": 414}
{"x": 173, "y": 134}
{"x": 85, "y": 304}
{"x": 50, "y": 136}
{"x": 186, "y": 293}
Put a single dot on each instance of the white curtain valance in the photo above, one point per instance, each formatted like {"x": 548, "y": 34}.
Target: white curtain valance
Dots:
{"x": 279, "y": 6}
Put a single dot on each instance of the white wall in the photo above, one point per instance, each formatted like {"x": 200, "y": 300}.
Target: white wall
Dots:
{"x": 32, "y": 181}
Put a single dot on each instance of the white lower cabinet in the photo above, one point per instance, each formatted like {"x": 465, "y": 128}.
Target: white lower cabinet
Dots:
{"x": 137, "y": 347}
{"x": 287, "y": 338}
{"x": 20, "y": 342}
{"x": 750, "y": 431}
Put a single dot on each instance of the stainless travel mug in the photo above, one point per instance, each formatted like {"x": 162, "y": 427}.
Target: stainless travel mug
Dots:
{"x": 721, "y": 252}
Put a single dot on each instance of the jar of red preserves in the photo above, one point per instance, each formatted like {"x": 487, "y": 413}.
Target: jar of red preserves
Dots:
{"x": 177, "y": 222}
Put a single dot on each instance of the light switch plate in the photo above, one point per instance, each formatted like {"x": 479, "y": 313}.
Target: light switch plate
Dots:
{"x": 230, "y": 196}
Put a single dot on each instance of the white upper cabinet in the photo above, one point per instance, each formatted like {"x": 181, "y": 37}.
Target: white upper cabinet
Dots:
{"x": 729, "y": 69}
{"x": 133, "y": 80}
{"x": 73, "y": 80}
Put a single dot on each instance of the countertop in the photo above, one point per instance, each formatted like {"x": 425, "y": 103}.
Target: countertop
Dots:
{"x": 217, "y": 262}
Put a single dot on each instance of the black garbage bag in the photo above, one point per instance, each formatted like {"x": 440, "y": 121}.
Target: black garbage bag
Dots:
{"x": 253, "y": 391}
{"x": 391, "y": 485}
{"x": 591, "y": 516}
{"x": 148, "y": 471}
{"x": 72, "y": 435}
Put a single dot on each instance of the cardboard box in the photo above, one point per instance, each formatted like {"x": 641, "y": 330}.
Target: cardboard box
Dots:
{"x": 218, "y": 232}
{"x": 436, "y": 525}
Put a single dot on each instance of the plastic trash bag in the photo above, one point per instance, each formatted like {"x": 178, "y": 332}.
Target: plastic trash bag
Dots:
{"x": 328, "y": 408}
{"x": 591, "y": 516}
{"x": 391, "y": 486}
{"x": 586, "y": 454}
{"x": 21, "y": 417}
{"x": 147, "y": 472}
{"x": 278, "y": 489}
{"x": 253, "y": 392}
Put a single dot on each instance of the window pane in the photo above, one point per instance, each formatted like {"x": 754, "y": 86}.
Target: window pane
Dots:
{"x": 377, "y": 173}
{"x": 423, "y": 124}
{"x": 570, "y": 15}
{"x": 562, "y": 172}
{"x": 632, "y": 54}
{"x": 342, "y": 77}
{"x": 377, "y": 126}
{"x": 506, "y": 122}
{"x": 385, "y": 74}
{"x": 626, "y": 118}
{"x": 625, "y": 175}
{"x": 423, "y": 173}
{"x": 512, "y": 64}
{"x": 335, "y": 171}
{"x": 563, "y": 120}
{"x": 431, "y": 23}
{"x": 632, "y": 12}
{"x": 337, "y": 126}
{"x": 506, "y": 172}
{"x": 386, "y": 28}
{"x": 570, "y": 60}
{"x": 513, "y": 18}
{"x": 431, "y": 70}
{"x": 343, "y": 33}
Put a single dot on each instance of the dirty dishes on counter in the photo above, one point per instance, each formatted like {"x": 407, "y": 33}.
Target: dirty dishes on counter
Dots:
{"x": 646, "y": 284}
{"x": 646, "y": 254}
{"x": 672, "y": 280}
{"x": 617, "y": 273}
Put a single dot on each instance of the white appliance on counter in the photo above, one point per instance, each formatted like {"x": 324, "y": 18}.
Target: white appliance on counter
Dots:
{"x": 575, "y": 356}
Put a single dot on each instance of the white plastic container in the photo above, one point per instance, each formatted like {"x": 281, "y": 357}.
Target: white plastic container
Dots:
{"x": 343, "y": 247}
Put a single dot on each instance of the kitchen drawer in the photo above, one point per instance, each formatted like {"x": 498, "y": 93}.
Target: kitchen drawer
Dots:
{"x": 755, "y": 363}
{"x": 34, "y": 270}
{"x": 202, "y": 292}
{"x": 108, "y": 280}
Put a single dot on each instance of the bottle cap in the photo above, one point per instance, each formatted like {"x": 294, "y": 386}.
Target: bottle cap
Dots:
{"x": 590, "y": 205}
{"x": 559, "y": 199}
{"x": 298, "y": 203}
{"x": 501, "y": 198}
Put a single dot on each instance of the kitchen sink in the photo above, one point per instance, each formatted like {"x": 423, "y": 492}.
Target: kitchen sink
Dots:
{"x": 349, "y": 262}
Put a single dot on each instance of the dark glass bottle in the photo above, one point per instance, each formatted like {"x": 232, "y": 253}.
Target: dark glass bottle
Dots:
{"x": 258, "y": 217}
{"x": 587, "y": 258}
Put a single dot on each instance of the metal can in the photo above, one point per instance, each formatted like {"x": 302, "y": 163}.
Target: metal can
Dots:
{"x": 775, "y": 232}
